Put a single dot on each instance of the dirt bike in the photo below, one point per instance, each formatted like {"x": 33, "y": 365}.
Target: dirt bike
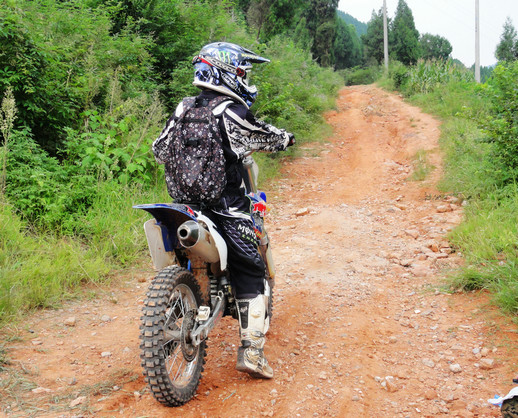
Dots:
{"x": 191, "y": 292}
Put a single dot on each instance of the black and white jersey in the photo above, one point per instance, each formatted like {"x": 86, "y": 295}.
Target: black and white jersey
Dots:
{"x": 240, "y": 130}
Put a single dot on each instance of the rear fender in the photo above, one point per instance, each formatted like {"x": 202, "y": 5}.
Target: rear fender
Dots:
{"x": 168, "y": 217}
{"x": 161, "y": 231}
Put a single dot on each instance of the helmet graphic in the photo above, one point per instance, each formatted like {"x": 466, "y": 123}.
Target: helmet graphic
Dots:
{"x": 225, "y": 67}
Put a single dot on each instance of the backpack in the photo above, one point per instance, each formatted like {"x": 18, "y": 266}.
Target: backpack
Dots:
{"x": 195, "y": 167}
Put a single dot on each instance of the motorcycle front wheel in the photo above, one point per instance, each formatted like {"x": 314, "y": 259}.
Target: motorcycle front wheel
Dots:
{"x": 172, "y": 364}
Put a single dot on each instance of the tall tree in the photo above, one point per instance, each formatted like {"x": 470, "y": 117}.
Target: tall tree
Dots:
{"x": 373, "y": 39}
{"x": 404, "y": 37}
{"x": 347, "y": 46}
{"x": 435, "y": 47}
{"x": 320, "y": 17}
{"x": 507, "y": 49}
{"x": 273, "y": 17}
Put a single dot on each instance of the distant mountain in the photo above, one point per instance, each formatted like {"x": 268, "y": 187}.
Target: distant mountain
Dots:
{"x": 361, "y": 28}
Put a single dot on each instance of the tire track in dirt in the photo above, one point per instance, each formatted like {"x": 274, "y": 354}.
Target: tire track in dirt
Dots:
{"x": 360, "y": 326}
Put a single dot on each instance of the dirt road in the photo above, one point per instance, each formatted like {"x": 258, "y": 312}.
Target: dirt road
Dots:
{"x": 362, "y": 326}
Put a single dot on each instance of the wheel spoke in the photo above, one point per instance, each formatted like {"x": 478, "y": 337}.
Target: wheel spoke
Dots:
{"x": 179, "y": 369}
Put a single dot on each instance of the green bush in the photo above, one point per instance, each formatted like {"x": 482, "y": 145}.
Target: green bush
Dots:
{"x": 358, "y": 76}
{"x": 502, "y": 126}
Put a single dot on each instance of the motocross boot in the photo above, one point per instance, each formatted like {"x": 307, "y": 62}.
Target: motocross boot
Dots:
{"x": 250, "y": 356}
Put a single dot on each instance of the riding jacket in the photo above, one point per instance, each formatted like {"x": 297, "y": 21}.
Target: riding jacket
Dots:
{"x": 240, "y": 132}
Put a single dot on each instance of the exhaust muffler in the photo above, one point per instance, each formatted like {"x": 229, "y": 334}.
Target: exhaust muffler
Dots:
{"x": 196, "y": 239}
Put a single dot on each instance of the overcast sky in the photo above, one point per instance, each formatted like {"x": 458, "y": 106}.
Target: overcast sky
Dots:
{"x": 453, "y": 19}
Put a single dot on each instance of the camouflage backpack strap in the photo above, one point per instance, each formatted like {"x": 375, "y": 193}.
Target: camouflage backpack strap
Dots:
{"x": 187, "y": 103}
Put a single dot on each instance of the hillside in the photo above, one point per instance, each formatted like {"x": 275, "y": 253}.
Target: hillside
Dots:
{"x": 361, "y": 27}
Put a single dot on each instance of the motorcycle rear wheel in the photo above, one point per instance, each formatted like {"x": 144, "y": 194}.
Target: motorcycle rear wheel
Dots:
{"x": 172, "y": 365}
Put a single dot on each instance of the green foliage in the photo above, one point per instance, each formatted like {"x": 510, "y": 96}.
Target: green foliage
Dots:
{"x": 427, "y": 76}
{"x": 373, "y": 39}
{"x": 69, "y": 59}
{"x": 489, "y": 238}
{"x": 320, "y": 16}
{"x": 399, "y": 73}
{"x": 404, "y": 37}
{"x": 46, "y": 192}
{"x": 434, "y": 47}
{"x": 39, "y": 271}
{"x": 507, "y": 48}
{"x": 347, "y": 46}
{"x": 502, "y": 126}
{"x": 358, "y": 75}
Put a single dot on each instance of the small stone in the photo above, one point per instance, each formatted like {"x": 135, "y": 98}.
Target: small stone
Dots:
{"x": 428, "y": 363}
{"x": 487, "y": 363}
{"x": 484, "y": 352}
{"x": 455, "y": 368}
{"x": 430, "y": 394}
{"x": 105, "y": 318}
{"x": 412, "y": 233}
{"x": 137, "y": 395}
{"x": 444, "y": 208}
{"x": 106, "y": 354}
{"x": 390, "y": 384}
{"x": 37, "y": 341}
{"x": 40, "y": 389}
{"x": 302, "y": 212}
{"x": 355, "y": 398}
{"x": 407, "y": 262}
{"x": 72, "y": 381}
{"x": 70, "y": 321}
{"x": 77, "y": 401}
{"x": 392, "y": 339}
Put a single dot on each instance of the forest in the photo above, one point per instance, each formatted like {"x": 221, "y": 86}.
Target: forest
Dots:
{"x": 87, "y": 84}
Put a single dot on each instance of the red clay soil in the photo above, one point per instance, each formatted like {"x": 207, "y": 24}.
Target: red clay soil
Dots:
{"x": 363, "y": 325}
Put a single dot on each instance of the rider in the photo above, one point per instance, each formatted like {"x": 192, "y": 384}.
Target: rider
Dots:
{"x": 223, "y": 69}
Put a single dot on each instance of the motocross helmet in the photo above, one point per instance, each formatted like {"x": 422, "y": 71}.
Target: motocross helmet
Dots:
{"x": 225, "y": 67}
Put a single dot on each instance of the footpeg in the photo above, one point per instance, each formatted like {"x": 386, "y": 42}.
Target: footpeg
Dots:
{"x": 203, "y": 314}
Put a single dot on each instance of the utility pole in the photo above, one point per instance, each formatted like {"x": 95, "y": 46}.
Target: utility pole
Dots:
{"x": 385, "y": 34}
{"x": 477, "y": 43}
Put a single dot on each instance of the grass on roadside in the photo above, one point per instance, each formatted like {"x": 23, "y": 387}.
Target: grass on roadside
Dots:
{"x": 41, "y": 270}
{"x": 488, "y": 236}
{"x": 422, "y": 167}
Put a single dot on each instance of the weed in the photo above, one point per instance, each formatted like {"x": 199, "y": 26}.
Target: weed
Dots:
{"x": 421, "y": 166}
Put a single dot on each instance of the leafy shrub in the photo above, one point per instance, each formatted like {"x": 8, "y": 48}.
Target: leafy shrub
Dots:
{"x": 69, "y": 58}
{"x": 358, "y": 76}
{"x": 399, "y": 73}
{"x": 43, "y": 190}
{"x": 502, "y": 126}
